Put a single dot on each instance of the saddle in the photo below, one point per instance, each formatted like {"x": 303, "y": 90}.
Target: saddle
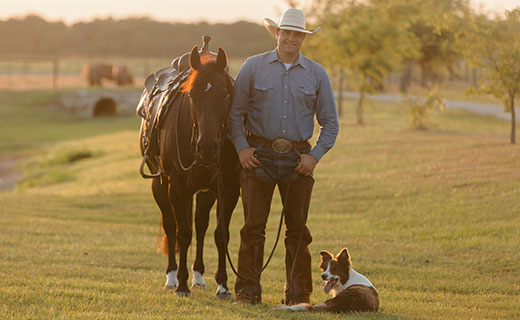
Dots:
{"x": 160, "y": 87}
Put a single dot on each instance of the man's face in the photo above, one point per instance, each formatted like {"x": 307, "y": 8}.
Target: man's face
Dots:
{"x": 289, "y": 42}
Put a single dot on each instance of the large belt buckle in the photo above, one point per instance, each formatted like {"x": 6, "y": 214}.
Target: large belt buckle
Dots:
{"x": 282, "y": 145}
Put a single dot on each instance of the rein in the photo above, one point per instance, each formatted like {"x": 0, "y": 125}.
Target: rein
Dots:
{"x": 177, "y": 139}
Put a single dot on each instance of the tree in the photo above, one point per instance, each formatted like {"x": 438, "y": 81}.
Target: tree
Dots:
{"x": 432, "y": 22}
{"x": 494, "y": 47}
{"x": 369, "y": 39}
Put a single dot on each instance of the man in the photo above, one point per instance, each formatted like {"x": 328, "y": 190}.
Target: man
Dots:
{"x": 278, "y": 93}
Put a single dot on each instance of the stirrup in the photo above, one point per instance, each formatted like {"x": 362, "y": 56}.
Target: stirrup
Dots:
{"x": 151, "y": 175}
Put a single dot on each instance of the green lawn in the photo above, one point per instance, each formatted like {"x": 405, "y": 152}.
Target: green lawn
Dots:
{"x": 431, "y": 217}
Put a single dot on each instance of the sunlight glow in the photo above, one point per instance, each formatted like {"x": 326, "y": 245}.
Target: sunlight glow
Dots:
{"x": 180, "y": 11}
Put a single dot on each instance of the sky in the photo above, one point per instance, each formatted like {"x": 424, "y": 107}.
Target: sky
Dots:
{"x": 173, "y": 10}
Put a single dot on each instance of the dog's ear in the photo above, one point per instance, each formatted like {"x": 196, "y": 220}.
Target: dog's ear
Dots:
{"x": 344, "y": 258}
{"x": 325, "y": 256}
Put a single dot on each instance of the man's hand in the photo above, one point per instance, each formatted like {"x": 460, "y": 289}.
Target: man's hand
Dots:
{"x": 248, "y": 159}
{"x": 306, "y": 165}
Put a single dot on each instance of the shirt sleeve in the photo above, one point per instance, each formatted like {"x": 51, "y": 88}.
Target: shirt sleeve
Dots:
{"x": 239, "y": 108}
{"x": 327, "y": 117}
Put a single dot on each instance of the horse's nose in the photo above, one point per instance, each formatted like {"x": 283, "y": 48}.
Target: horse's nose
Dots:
{"x": 208, "y": 151}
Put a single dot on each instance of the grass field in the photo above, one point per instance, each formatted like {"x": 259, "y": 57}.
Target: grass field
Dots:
{"x": 431, "y": 217}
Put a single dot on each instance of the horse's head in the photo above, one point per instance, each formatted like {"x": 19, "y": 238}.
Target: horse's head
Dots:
{"x": 210, "y": 93}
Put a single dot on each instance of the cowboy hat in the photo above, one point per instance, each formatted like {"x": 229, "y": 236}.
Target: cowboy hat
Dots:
{"x": 291, "y": 19}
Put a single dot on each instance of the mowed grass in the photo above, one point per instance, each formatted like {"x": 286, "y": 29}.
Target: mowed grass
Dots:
{"x": 431, "y": 217}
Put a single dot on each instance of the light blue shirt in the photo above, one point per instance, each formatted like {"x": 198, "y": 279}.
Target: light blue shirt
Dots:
{"x": 281, "y": 103}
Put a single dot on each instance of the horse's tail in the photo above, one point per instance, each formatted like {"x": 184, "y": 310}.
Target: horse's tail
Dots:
{"x": 162, "y": 241}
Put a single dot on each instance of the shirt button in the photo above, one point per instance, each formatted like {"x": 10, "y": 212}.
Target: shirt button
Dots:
{"x": 285, "y": 87}
{"x": 285, "y": 101}
{"x": 283, "y": 131}
{"x": 284, "y": 116}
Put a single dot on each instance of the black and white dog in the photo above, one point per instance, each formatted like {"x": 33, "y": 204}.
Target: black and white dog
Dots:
{"x": 351, "y": 291}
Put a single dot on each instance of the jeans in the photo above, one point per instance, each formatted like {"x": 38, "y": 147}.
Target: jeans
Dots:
{"x": 257, "y": 192}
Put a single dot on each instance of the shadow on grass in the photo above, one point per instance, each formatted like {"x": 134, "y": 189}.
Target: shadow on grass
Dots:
{"x": 270, "y": 312}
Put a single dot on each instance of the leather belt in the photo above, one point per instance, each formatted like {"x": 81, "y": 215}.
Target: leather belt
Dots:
{"x": 280, "y": 145}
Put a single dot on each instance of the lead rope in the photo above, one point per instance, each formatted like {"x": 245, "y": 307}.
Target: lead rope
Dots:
{"x": 219, "y": 196}
{"x": 220, "y": 186}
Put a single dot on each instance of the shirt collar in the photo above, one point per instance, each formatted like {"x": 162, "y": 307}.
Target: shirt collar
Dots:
{"x": 273, "y": 56}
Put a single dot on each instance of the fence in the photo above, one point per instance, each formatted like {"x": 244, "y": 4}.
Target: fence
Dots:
{"x": 15, "y": 71}
{"x": 49, "y": 72}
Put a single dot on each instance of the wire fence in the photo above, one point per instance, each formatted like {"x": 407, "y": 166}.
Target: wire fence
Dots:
{"x": 49, "y": 72}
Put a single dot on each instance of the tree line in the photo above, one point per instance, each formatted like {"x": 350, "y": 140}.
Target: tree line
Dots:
{"x": 131, "y": 37}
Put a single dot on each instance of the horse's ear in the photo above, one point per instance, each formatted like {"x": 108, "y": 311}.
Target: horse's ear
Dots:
{"x": 195, "y": 58}
{"x": 222, "y": 59}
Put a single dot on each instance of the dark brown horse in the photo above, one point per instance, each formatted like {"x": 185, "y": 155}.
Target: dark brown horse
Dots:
{"x": 197, "y": 158}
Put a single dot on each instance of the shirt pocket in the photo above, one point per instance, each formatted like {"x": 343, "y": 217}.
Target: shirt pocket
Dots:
{"x": 262, "y": 94}
{"x": 306, "y": 96}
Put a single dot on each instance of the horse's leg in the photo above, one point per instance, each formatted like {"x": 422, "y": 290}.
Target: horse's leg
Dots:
{"x": 205, "y": 201}
{"x": 160, "y": 194}
{"x": 182, "y": 206}
{"x": 230, "y": 198}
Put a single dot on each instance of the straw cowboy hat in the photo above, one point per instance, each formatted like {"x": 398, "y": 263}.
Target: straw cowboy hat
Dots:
{"x": 291, "y": 19}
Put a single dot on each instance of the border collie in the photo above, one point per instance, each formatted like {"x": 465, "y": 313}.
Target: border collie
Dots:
{"x": 351, "y": 291}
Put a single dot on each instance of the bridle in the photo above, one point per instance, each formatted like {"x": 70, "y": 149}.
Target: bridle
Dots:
{"x": 215, "y": 166}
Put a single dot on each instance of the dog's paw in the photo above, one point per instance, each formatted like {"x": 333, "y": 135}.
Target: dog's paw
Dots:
{"x": 298, "y": 307}
{"x": 282, "y": 307}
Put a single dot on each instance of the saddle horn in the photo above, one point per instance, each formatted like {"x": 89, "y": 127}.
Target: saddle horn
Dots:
{"x": 205, "y": 44}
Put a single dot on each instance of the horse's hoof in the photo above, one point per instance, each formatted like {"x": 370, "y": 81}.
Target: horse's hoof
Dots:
{"x": 198, "y": 286}
{"x": 225, "y": 296}
{"x": 182, "y": 294}
{"x": 198, "y": 281}
{"x": 171, "y": 280}
{"x": 223, "y": 293}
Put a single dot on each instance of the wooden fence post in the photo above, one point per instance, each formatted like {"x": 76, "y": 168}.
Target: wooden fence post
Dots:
{"x": 55, "y": 73}
{"x": 8, "y": 74}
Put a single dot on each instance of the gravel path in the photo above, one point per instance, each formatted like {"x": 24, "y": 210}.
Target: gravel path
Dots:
{"x": 8, "y": 175}
{"x": 475, "y": 107}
